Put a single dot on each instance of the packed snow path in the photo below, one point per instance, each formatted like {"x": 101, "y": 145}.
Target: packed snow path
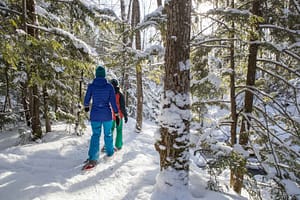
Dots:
{"x": 52, "y": 169}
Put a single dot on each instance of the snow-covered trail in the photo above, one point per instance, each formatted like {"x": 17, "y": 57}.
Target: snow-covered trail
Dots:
{"x": 52, "y": 169}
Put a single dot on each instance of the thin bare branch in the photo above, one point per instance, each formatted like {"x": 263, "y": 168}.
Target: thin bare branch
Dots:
{"x": 297, "y": 5}
{"x": 10, "y": 10}
{"x": 276, "y": 76}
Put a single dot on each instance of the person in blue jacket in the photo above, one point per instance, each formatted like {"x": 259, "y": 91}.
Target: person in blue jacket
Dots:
{"x": 103, "y": 102}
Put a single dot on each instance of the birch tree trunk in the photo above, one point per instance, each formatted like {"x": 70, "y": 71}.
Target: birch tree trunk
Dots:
{"x": 173, "y": 145}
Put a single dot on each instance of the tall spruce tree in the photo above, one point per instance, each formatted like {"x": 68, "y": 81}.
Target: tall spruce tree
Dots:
{"x": 173, "y": 145}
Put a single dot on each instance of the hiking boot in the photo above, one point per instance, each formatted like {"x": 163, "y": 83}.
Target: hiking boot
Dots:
{"x": 89, "y": 165}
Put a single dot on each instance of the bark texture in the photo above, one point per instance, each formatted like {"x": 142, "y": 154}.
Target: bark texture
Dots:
{"x": 139, "y": 74}
{"x": 173, "y": 146}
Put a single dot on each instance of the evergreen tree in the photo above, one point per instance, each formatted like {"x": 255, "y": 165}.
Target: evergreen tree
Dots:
{"x": 173, "y": 145}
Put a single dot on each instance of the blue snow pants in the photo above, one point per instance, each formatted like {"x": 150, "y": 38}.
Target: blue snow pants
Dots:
{"x": 95, "y": 139}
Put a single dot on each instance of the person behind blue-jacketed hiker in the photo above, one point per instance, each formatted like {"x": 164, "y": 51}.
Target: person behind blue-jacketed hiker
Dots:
{"x": 103, "y": 100}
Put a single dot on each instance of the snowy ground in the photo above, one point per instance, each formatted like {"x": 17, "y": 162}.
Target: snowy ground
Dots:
{"x": 51, "y": 170}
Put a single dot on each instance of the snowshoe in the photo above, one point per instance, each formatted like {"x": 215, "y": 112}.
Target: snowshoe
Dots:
{"x": 108, "y": 158}
{"x": 90, "y": 164}
{"x": 115, "y": 149}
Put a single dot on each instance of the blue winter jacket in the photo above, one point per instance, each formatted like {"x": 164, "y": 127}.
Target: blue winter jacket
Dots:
{"x": 103, "y": 99}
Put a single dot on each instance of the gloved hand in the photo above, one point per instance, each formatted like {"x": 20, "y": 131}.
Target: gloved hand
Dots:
{"x": 117, "y": 120}
{"x": 87, "y": 109}
{"x": 126, "y": 119}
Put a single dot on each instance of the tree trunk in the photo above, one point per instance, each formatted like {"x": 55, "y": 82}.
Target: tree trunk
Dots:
{"x": 139, "y": 114}
{"x": 35, "y": 112}
{"x": 232, "y": 85}
{"x": 139, "y": 82}
{"x": 35, "y": 101}
{"x": 26, "y": 107}
{"x": 123, "y": 13}
{"x": 7, "y": 102}
{"x": 251, "y": 72}
{"x": 233, "y": 133}
{"x": 30, "y": 5}
{"x": 24, "y": 15}
{"x": 162, "y": 27}
{"x": 124, "y": 82}
{"x": 46, "y": 109}
{"x": 79, "y": 120}
{"x": 173, "y": 145}
{"x": 128, "y": 14}
{"x": 248, "y": 105}
{"x": 159, "y": 3}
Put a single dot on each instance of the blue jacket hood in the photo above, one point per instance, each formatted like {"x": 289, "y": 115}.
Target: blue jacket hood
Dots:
{"x": 99, "y": 81}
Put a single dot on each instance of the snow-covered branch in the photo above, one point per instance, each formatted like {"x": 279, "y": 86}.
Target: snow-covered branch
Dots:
{"x": 153, "y": 19}
{"x": 269, "y": 133}
{"x": 216, "y": 101}
{"x": 264, "y": 128}
{"x": 94, "y": 9}
{"x": 65, "y": 1}
{"x": 42, "y": 12}
{"x": 258, "y": 123}
{"x": 281, "y": 48}
{"x": 276, "y": 76}
{"x": 230, "y": 11}
{"x": 286, "y": 82}
{"x": 271, "y": 26}
{"x": 155, "y": 50}
{"x": 201, "y": 42}
{"x": 275, "y": 122}
{"x": 79, "y": 44}
{"x": 292, "y": 54}
{"x": 220, "y": 22}
{"x": 280, "y": 108}
{"x": 152, "y": 50}
{"x": 280, "y": 64}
